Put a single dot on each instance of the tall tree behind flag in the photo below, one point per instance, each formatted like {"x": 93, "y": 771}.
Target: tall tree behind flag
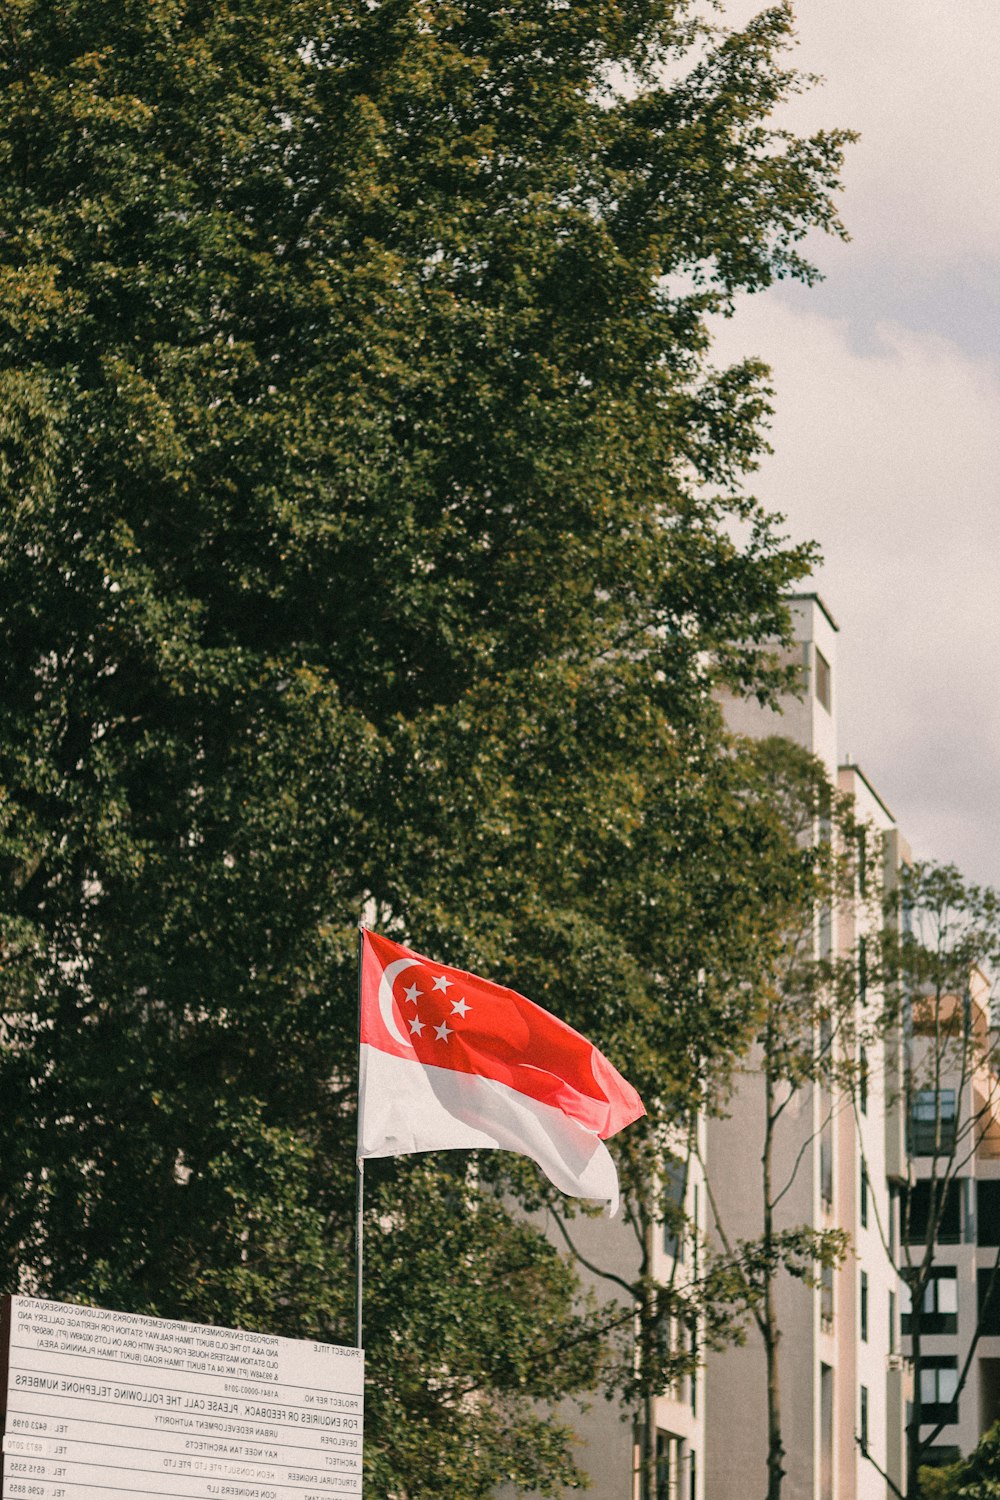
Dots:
{"x": 451, "y": 1061}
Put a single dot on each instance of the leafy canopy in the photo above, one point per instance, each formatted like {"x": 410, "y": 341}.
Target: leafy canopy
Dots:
{"x": 371, "y": 530}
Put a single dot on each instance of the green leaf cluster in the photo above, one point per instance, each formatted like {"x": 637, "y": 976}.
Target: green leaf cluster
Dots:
{"x": 974, "y": 1478}
{"x": 370, "y": 532}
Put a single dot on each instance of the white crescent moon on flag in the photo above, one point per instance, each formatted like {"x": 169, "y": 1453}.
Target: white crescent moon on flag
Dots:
{"x": 385, "y": 1001}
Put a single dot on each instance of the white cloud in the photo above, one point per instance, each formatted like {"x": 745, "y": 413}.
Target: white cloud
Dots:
{"x": 918, "y": 79}
{"x": 890, "y": 459}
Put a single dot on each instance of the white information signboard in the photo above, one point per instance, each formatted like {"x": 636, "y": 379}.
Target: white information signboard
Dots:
{"x": 99, "y": 1404}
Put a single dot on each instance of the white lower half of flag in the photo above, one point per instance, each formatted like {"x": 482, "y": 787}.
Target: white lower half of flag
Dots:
{"x": 409, "y": 1106}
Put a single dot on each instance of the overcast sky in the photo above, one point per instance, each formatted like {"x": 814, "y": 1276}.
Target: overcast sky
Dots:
{"x": 887, "y": 430}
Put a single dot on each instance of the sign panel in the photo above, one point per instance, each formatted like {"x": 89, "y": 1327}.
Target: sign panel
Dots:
{"x": 98, "y": 1404}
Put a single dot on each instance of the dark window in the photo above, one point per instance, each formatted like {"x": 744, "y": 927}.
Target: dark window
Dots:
{"x": 822, "y": 679}
{"x": 695, "y": 1228}
{"x": 863, "y": 1434}
{"x": 864, "y": 1307}
{"x": 826, "y": 1297}
{"x": 863, "y": 1081}
{"x": 940, "y": 1455}
{"x": 864, "y": 1194}
{"x": 892, "y": 1322}
{"x": 693, "y": 1475}
{"x": 694, "y": 1370}
{"x": 940, "y": 1303}
{"x": 988, "y": 1212}
{"x": 989, "y": 1302}
{"x": 933, "y": 1117}
{"x": 916, "y": 1206}
{"x": 826, "y": 1432}
{"x": 862, "y": 969}
{"x": 862, "y": 863}
{"x": 938, "y": 1388}
{"x": 826, "y": 1165}
{"x": 674, "y": 1190}
{"x": 668, "y": 1466}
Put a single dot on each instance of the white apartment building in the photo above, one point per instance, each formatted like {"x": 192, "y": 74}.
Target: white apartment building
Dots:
{"x": 610, "y": 1440}
{"x": 841, "y": 1378}
{"x": 846, "y": 1382}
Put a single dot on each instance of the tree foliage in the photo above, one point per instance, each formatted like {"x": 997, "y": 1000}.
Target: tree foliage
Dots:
{"x": 974, "y": 1478}
{"x": 371, "y": 532}
{"x": 941, "y": 950}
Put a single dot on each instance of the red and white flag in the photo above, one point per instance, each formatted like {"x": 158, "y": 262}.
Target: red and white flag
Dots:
{"x": 450, "y": 1061}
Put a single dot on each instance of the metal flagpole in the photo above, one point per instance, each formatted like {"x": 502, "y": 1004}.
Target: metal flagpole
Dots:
{"x": 359, "y": 1223}
{"x": 360, "y": 1243}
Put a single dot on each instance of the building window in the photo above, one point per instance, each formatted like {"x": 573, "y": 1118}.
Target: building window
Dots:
{"x": 826, "y": 1298}
{"x": 864, "y": 1195}
{"x": 695, "y": 1228}
{"x": 826, "y": 1165}
{"x": 675, "y": 1176}
{"x": 823, "y": 679}
{"x": 940, "y": 1303}
{"x": 988, "y": 1212}
{"x": 933, "y": 1118}
{"x": 826, "y": 1432}
{"x": 940, "y": 1455}
{"x": 989, "y": 1301}
{"x": 920, "y": 1205}
{"x": 863, "y": 1309}
{"x": 862, "y": 862}
{"x": 863, "y": 1081}
{"x": 892, "y": 1322}
{"x": 863, "y": 1433}
{"x": 863, "y": 970}
{"x": 669, "y": 1467}
{"x": 692, "y": 1475}
{"x": 939, "y": 1388}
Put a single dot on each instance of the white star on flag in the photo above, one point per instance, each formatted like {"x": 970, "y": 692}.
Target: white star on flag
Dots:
{"x": 412, "y": 993}
{"x": 459, "y": 1008}
{"x": 441, "y": 983}
{"x": 442, "y": 1032}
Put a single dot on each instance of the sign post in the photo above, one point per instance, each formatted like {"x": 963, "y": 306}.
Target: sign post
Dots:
{"x": 95, "y": 1404}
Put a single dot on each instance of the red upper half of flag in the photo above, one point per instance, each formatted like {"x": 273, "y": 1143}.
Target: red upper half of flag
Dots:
{"x": 416, "y": 1008}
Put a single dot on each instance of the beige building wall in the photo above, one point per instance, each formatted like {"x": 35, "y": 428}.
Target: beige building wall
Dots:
{"x": 828, "y": 1370}
{"x": 606, "y": 1445}
{"x": 680, "y": 1413}
{"x": 736, "y": 1408}
{"x": 869, "y": 1336}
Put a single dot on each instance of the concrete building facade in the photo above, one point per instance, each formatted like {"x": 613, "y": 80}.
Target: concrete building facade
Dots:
{"x": 842, "y": 1390}
{"x": 850, "y": 1161}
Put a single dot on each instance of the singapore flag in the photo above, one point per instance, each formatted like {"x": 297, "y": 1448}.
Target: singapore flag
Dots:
{"x": 450, "y": 1061}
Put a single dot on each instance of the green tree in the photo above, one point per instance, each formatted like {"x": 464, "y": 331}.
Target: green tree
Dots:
{"x": 797, "y": 1031}
{"x": 974, "y": 1478}
{"x": 371, "y": 531}
{"x": 941, "y": 951}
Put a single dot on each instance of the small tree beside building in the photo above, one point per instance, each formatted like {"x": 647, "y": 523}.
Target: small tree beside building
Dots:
{"x": 941, "y": 948}
{"x": 806, "y": 1059}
